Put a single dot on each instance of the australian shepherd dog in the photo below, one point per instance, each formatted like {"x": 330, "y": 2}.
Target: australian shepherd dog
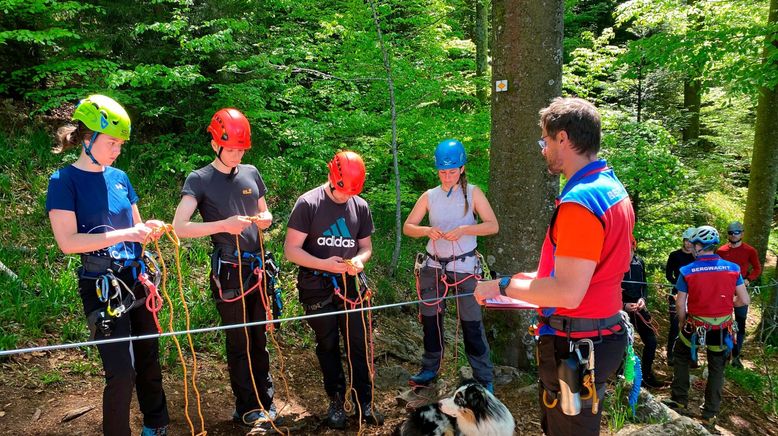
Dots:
{"x": 471, "y": 411}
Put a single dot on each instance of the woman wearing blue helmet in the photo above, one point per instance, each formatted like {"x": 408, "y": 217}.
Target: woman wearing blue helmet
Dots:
{"x": 451, "y": 262}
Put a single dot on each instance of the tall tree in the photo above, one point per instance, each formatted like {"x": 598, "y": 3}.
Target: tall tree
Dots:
{"x": 764, "y": 160}
{"x": 527, "y": 53}
{"x": 692, "y": 88}
{"x": 481, "y": 47}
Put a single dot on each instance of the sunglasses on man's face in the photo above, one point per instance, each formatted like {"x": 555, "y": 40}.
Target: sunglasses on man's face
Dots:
{"x": 735, "y": 232}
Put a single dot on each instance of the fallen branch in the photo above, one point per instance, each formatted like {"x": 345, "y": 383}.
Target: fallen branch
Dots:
{"x": 7, "y": 271}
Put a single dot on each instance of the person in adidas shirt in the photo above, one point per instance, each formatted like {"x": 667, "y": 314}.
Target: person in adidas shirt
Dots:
{"x": 328, "y": 237}
{"x": 227, "y": 194}
{"x": 452, "y": 208}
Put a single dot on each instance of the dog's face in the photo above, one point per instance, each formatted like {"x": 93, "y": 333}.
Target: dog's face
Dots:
{"x": 469, "y": 402}
{"x": 478, "y": 412}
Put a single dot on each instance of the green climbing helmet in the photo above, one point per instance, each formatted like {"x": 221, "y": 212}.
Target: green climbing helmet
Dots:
{"x": 103, "y": 114}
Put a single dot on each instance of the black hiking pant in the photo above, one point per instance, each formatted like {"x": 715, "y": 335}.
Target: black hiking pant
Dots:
{"x": 329, "y": 330}
{"x": 608, "y": 356}
{"x": 128, "y": 365}
{"x": 237, "y": 354}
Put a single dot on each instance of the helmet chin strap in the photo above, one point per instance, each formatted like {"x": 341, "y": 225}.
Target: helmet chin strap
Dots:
{"x": 88, "y": 150}
{"x": 232, "y": 169}
{"x": 451, "y": 189}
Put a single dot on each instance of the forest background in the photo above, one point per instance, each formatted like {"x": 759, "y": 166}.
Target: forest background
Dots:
{"x": 677, "y": 82}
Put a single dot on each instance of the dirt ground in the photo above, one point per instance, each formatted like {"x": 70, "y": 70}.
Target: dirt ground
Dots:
{"x": 38, "y": 390}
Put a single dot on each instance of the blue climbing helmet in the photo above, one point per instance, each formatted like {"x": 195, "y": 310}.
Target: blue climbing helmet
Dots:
{"x": 450, "y": 153}
{"x": 706, "y": 236}
{"x": 688, "y": 233}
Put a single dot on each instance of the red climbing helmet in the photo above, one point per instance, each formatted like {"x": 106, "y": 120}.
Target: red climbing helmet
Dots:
{"x": 347, "y": 172}
{"x": 230, "y": 129}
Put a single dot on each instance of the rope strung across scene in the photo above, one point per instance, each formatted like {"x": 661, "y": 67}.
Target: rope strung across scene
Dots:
{"x": 754, "y": 288}
{"x": 233, "y": 326}
{"x": 215, "y": 328}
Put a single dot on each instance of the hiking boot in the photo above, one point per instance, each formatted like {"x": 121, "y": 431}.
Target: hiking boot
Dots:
{"x": 652, "y": 381}
{"x": 736, "y": 363}
{"x": 253, "y": 417}
{"x": 490, "y": 387}
{"x": 678, "y": 407}
{"x": 372, "y": 416}
{"x": 710, "y": 424}
{"x": 423, "y": 378}
{"x": 336, "y": 416}
{"x": 158, "y": 431}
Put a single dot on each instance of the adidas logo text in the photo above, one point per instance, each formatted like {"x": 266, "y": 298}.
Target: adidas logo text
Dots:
{"x": 336, "y": 241}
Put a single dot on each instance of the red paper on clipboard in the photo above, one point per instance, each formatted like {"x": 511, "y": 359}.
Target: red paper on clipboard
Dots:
{"x": 501, "y": 302}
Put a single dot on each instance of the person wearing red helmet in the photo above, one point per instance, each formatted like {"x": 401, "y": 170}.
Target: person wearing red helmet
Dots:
{"x": 230, "y": 197}
{"x": 328, "y": 236}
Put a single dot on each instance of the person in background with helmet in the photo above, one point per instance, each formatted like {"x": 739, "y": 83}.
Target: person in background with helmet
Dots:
{"x": 582, "y": 263}
{"x": 230, "y": 197}
{"x": 634, "y": 294}
{"x": 747, "y": 259}
{"x": 708, "y": 289}
{"x": 451, "y": 252}
{"x": 329, "y": 238}
{"x": 93, "y": 211}
{"x": 678, "y": 258}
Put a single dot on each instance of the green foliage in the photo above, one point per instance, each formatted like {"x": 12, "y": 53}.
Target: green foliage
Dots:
{"x": 616, "y": 407}
{"x": 715, "y": 42}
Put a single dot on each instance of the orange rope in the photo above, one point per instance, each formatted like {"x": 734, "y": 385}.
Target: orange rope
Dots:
{"x": 170, "y": 326}
{"x": 267, "y": 303}
{"x": 248, "y": 338}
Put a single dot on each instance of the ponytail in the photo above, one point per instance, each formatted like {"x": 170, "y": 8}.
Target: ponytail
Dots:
{"x": 70, "y": 136}
{"x": 463, "y": 187}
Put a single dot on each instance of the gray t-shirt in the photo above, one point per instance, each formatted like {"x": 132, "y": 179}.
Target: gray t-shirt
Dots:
{"x": 219, "y": 197}
{"x": 333, "y": 230}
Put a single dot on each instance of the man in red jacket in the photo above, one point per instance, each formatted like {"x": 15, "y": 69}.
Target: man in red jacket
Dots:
{"x": 746, "y": 258}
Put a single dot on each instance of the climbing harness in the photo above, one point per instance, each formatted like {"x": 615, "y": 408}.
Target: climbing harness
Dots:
{"x": 698, "y": 328}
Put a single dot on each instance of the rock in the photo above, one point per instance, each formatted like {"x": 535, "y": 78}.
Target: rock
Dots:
{"x": 391, "y": 377}
{"x": 465, "y": 373}
{"x": 681, "y": 426}
{"x": 649, "y": 409}
{"x": 75, "y": 413}
{"x": 413, "y": 398}
{"x": 504, "y": 375}
{"x": 36, "y": 416}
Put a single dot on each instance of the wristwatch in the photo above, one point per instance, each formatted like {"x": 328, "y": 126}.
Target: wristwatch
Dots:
{"x": 504, "y": 282}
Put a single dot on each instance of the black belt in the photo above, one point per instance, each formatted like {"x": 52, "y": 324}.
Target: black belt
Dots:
{"x": 318, "y": 305}
{"x": 573, "y": 325}
{"x": 100, "y": 264}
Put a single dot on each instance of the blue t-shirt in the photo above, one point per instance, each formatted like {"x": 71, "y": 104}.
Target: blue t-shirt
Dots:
{"x": 102, "y": 202}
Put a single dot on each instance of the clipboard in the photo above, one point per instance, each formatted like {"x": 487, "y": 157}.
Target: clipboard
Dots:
{"x": 501, "y": 302}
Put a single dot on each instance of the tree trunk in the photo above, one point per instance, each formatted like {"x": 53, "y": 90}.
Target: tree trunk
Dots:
{"x": 692, "y": 99}
{"x": 527, "y": 52}
{"x": 481, "y": 48}
{"x": 764, "y": 162}
{"x": 395, "y": 164}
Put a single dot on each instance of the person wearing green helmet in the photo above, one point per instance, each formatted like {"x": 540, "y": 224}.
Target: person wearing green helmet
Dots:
{"x": 93, "y": 211}
{"x": 677, "y": 259}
